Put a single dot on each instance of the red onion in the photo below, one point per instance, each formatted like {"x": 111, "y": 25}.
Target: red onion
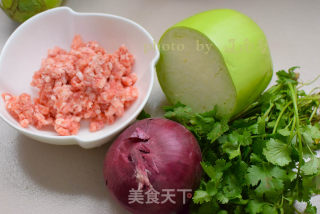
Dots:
{"x": 156, "y": 156}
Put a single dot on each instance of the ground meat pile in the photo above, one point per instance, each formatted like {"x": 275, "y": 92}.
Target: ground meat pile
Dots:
{"x": 83, "y": 83}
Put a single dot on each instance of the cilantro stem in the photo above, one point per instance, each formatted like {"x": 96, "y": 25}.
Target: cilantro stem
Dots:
{"x": 281, "y": 210}
{"x": 280, "y": 116}
{"x": 281, "y": 204}
{"x": 311, "y": 97}
{"x": 308, "y": 83}
{"x": 292, "y": 130}
{"x": 263, "y": 135}
{"x": 313, "y": 113}
{"x": 268, "y": 111}
{"x": 316, "y": 88}
{"x": 297, "y": 123}
{"x": 310, "y": 149}
{"x": 289, "y": 123}
{"x": 274, "y": 88}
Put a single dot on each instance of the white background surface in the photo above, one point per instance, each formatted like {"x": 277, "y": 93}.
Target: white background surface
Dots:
{"x": 37, "y": 178}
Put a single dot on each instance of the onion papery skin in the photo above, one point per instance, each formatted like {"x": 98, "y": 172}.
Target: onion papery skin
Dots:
{"x": 153, "y": 153}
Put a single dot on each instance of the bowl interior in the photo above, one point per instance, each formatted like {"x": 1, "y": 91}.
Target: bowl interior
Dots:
{"x": 29, "y": 44}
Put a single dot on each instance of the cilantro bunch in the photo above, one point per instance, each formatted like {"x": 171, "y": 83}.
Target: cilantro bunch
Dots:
{"x": 265, "y": 159}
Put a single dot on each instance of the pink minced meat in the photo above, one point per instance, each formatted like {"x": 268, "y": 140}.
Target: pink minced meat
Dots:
{"x": 84, "y": 83}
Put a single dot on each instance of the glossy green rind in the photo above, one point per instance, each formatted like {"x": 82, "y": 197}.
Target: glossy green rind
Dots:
{"x": 242, "y": 46}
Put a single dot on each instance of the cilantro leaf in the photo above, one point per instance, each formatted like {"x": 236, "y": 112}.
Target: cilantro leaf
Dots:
{"x": 277, "y": 152}
{"x": 179, "y": 113}
{"x": 143, "y": 115}
{"x": 231, "y": 188}
{"x": 310, "y": 209}
{"x": 267, "y": 209}
{"x": 209, "y": 170}
{"x": 215, "y": 172}
{"x": 284, "y": 132}
{"x": 287, "y": 77}
{"x": 255, "y": 207}
{"x": 206, "y": 208}
{"x": 217, "y": 130}
{"x": 268, "y": 180}
{"x": 200, "y": 197}
{"x": 230, "y": 145}
{"x": 212, "y": 187}
{"x": 239, "y": 169}
{"x": 310, "y": 134}
{"x": 312, "y": 166}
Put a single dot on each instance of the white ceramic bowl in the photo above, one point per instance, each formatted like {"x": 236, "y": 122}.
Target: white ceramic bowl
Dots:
{"x": 25, "y": 48}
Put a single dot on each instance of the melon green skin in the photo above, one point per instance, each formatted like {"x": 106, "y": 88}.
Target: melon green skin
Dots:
{"x": 21, "y": 10}
{"x": 215, "y": 58}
